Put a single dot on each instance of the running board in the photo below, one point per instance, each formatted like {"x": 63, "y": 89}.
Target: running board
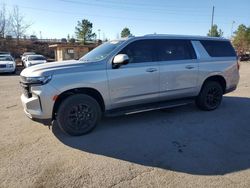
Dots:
{"x": 148, "y": 107}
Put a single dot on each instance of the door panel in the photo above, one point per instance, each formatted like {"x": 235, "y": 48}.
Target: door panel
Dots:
{"x": 178, "y": 78}
{"x": 138, "y": 81}
{"x": 178, "y": 68}
{"x": 134, "y": 84}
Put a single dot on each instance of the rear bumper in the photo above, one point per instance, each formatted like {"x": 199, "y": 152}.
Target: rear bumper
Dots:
{"x": 230, "y": 89}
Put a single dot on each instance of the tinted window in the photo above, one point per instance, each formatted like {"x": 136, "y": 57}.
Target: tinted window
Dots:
{"x": 170, "y": 50}
{"x": 5, "y": 58}
{"x": 34, "y": 58}
{"x": 139, "y": 51}
{"x": 218, "y": 48}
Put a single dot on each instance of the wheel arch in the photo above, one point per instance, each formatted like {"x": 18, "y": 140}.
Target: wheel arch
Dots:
{"x": 217, "y": 78}
{"x": 86, "y": 90}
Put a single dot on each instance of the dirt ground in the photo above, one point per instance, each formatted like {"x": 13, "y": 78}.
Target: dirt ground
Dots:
{"x": 181, "y": 147}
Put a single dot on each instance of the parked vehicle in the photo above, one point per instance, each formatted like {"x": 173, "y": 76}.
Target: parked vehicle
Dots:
{"x": 25, "y": 54}
{"x": 244, "y": 57}
{"x": 31, "y": 60}
{"x": 7, "y": 63}
{"x": 130, "y": 75}
{"x": 5, "y": 53}
{"x": 33, "y": 37}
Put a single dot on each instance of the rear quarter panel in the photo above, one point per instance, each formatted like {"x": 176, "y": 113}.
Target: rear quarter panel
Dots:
{"x": 223, "y": 66}
{"x": 212, "y": 66}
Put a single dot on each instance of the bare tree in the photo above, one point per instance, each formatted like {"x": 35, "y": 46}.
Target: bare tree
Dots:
{"x": 18, "y": 26}
{"x": 3, "y": 21}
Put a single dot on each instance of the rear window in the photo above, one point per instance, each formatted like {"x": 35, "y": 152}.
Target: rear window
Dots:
{"x": 34, "y": 58}
{"x": 218, "y": 48}
{"x": 172, "y": 50}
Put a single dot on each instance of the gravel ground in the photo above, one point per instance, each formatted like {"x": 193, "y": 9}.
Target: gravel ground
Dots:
{"x": 181, "y": 147}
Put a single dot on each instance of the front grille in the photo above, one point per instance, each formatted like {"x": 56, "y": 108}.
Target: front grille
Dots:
{"x": 3, "y": 66}
{"x": 26, "y": 90}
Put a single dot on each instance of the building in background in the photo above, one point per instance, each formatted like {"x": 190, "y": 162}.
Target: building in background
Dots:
{"x": 71, "y": 51}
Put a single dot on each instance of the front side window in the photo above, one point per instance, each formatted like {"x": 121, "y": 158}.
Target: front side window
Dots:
{"x": 140, "y": 51}
{"x": 172, "y": 50}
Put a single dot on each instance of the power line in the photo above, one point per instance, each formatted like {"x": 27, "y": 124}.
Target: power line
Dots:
{"x": 134, "y": 4}
{"x": 112, "y": 17}
{"x": 131, "y": 7}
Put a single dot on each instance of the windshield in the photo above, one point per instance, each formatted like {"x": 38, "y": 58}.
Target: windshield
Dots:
{"x": 28, "y": 53}
{"x": 101, "y": 52}
{"x": 34, "y": 58}
{"x": 5, "y": 58}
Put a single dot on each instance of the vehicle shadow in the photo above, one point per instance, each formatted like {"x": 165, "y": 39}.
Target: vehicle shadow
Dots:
{"x": 183, "y": 139}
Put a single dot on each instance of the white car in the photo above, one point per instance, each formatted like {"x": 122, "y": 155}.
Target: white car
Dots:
{"x": 7, "y": 63}
{"x": 25, "y": 54}
{"x": 31, "y": 60}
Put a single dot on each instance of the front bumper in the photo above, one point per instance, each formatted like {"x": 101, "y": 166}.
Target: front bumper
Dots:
{"x": 39, "y": 120}
{"x": 39, "y": 105}
{"x": 5, "y": 70}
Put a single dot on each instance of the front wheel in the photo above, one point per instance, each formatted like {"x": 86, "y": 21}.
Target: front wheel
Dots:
{"x": 78, "y": 114}
{"x": 210, "y": 96}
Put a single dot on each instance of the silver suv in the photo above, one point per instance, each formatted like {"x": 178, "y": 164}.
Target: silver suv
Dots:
{"x": 128, "y": 76}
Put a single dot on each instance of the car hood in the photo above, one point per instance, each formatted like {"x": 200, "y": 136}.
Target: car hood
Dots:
{"x": 60, "y": 67}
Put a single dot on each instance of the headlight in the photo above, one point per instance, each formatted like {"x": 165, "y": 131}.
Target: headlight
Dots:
{"x": 36, "y": 80}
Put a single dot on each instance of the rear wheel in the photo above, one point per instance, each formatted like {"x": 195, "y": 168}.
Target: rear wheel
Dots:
{"x": 78, "y": 114}
{"x": 210, "y": 96}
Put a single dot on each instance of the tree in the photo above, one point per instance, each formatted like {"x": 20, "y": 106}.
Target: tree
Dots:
{"x": 72, "y": 40}
{"x": 241, "y": 40}
{"x": 3, "y": 21}
{"x": 214, "y": 32}
{"x": 18, "y": 26}
{"x": 125, "y": 32}
{"x": 84, "y": 31}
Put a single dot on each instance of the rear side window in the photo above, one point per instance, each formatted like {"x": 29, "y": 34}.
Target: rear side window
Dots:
{"x": 139, "y": 51}
{"x": 218, "y": 48}
{"x": 171, "y": 50}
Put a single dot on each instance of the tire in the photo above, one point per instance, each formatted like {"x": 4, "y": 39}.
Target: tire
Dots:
{"x": 78, "y": 114}
{"x": 210, "y": 96}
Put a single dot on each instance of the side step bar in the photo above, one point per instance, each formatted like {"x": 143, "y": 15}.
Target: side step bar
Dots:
{"x": 148, "y": 107}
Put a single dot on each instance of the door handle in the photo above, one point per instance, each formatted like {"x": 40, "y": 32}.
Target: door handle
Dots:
{"x": 189, "y": 67}
{"x": 151, "y": 70}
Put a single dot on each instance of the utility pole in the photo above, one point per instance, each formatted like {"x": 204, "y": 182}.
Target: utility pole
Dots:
{"x": 212, "y": 21}
{"x": 232, "y": 28}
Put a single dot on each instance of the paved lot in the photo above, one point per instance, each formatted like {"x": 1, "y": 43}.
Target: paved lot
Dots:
{"x": 181, "y": 147}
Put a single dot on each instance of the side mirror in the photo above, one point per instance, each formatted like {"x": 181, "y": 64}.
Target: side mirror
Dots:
{"x": 120, "y": 59}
